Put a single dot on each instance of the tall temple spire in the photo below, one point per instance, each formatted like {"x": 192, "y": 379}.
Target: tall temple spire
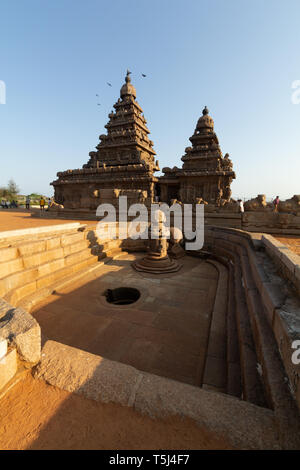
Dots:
{"x": 127, "y": 140}
{"x": 123, "y": 160}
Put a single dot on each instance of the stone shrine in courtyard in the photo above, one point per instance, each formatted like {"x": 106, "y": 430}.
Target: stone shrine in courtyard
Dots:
{"x": 122, "y": 165}
{"x": 205, "y": 175}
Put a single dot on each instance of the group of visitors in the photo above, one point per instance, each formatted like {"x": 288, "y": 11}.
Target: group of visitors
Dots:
{"x": 9, "y": 204}
{"x": 242, "y": 210}
{"x": 43, "y": 203}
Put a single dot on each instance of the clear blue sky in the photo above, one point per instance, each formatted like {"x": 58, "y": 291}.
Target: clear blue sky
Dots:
{"x": 238, "y": 57}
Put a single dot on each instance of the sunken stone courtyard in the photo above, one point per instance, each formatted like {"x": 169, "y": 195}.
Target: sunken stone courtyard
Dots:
{"x": 205, "y": 350}
{"x": 143, "y": 343}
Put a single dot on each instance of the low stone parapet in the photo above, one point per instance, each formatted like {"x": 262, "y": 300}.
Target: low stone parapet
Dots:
{"x": 20, "y": 341}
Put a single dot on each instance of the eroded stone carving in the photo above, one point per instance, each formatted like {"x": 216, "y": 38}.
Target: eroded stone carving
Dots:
{"x": 205, "y": 174}
{"x": 124, "y": 159}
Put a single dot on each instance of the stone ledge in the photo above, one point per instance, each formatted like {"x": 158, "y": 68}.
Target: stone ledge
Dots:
{"x": 39, "y": 230}
{"x": 21, "y": 331}
{"x": 287, "y": 261}
{"x": 245, "y": 425}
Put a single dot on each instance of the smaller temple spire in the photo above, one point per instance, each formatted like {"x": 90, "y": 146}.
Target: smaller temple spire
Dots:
{"x": 205, "y": 111}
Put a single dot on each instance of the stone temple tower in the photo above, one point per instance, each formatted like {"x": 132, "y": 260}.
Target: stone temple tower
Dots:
{"x": 205, "y": 173}
{"x": 123, "y": 163}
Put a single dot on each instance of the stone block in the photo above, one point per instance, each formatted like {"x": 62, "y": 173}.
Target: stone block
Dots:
{"x": 77, "y": 257}
{"x": 2, "y": 288}
{"x": 286, "y": 328}
{"x": 21, "y": 331}
{"x": 53, "y": 243}
{"x": 32, "y": 247}
{"x": 244, "y": 425}
{"x": 18, "y": 279}
{"x": 17, "y": 294}
{"x": 42, "y": 258}
{"x": 272, "y": 242}
{"x": 272, "y": 298}
{"x": 289, "y": 259}
{"x": 36, "y": 231}
{"x": 72, "y": 238}
{"x": 215, "y": 372}
{"x": 8, "y": 367}
{"x": 75, "y": 247}
{"x": 10, "y": 267}
{"x": 7, "y": 254}
{"x": 49, "y": 279}
{"x": 93, "y": 376}
{"x": 51, "y": 267}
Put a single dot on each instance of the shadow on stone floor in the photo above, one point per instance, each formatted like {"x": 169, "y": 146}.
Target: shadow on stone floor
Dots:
{"x": 164, "y": 332}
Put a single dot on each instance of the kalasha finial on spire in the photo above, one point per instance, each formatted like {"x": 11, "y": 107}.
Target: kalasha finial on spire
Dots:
{"x": 127, "y": 89}
{"x": 127, "y": 78}
{"x": 205, "y": 111}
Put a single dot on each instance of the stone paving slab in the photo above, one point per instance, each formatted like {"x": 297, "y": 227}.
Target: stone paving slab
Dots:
{"x": 164, "y": 332}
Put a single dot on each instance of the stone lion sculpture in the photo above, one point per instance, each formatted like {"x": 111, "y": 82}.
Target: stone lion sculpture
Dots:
{"x": 291, "y": 205}
{"x": 230, "y": 206}
{"x": 258, "y": 203}
{"x": 200, "y": 200}
{"x": 55, "y": 207}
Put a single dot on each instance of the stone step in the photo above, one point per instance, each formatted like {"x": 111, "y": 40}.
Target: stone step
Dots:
{"x": 112, "y": 252}
{"x": 10, "y": 267}
{"x": 234, "y": 386}
{"x": 15, "y": 280}
{"x": 40, "y": 267}
{"x": 23, "y": 236}
{"x": 251, "y": 382}
{"x": 252, "y": 387}
{"x": 33, "y": 271}
{"x": 8, "y": 253}
{"x": 29, "y": 302}
{"x": 215, "y": 370}
{"x": 27, "y": 290}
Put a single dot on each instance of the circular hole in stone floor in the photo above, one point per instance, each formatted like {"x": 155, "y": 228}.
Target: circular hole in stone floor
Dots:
{"x": 122, "y": 295}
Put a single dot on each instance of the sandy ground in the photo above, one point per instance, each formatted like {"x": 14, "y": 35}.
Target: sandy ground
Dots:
{"x": 21, "y": 218}
{"x": 34, "y": 415}
{"x": 292, "y": 241}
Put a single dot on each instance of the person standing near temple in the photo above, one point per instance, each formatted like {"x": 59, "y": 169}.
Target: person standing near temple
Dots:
{"x": 42, "y": 204}
{"x": 241, "y": 206}
{"x": 276, "y": 203}
{"x": 28, "y": 202}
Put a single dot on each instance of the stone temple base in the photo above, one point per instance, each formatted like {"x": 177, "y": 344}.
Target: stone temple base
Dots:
{"x": 152, "y": 263}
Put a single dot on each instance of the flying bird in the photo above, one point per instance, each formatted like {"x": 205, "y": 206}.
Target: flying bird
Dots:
{"x": 98, "y": 104}
{"x": 96, "y": 94}
{"x": 143, "y": 75}
{"x": 109, "y": 84}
